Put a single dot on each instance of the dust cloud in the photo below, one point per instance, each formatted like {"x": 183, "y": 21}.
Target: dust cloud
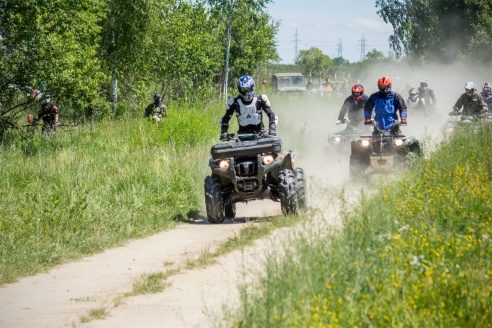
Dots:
{"x": 306, "y": 121}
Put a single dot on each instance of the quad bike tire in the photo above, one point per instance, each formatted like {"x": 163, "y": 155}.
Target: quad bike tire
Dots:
{"x": 302, "y": 201}
{"x": 288, "y": 192}
{"x": 230, "y": 210}
{"x": 355, "y": 167}
{"x": 213, "y": 200}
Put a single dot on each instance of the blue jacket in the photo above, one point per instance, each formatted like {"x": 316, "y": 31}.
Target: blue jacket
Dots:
{"x": 387, "y": 107}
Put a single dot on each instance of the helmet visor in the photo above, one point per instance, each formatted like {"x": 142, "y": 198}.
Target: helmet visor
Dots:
{"x": 357, "y": 94}
{"x": 469, "y": 91}
{"x": 245, "y": 89}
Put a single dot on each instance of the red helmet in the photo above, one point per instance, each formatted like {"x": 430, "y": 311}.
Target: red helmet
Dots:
{"x": 357, "y": 91}
{"x": 384, "y": 84}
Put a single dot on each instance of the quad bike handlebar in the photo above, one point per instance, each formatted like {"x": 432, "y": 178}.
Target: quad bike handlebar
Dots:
{"x": 246, "y": 136}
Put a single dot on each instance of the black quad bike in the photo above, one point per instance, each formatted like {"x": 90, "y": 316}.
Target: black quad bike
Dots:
{"x": 252, "y": 167}
{"x": 473, "y": 122}
{"x": 381, "y": 151}
{"x": 341, "y": 139}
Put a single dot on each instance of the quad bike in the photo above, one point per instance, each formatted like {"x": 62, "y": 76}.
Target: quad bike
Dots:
{"x": 381, "y": 151}
{"x": 252, "y": 167}
{"x": 473, "y": 121}
{"x": 341, "y": 139}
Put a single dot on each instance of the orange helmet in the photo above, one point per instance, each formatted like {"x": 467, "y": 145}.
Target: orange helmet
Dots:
{"x": 357, "y": 91}
{"x": 384, "y": 84}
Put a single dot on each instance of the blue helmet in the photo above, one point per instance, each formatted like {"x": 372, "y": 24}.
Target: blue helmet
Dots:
{"x": 246, "y": 87}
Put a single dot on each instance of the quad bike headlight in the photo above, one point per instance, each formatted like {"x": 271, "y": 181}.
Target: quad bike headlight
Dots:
{"x": 267, "y": 159}
{"x": 365, "y": 143}
{"x": 398, "y": 142}
{"x": 224, "y": 164}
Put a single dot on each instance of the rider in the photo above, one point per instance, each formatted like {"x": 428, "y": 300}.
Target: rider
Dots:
{"x": 487, "y": 94}
{"x": 413, "y": 98}
{"x": 48, "y": 113}
{"x": 157, "y": 109}
{"x": 248, "y": 107}
{"x": 471, "y": 101}
{"x": 385, "y": 103}
{"x": 426, "y": 95}
{"x": 353, "y": 106}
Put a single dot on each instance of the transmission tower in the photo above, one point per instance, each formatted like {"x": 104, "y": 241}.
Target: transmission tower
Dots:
{"x": 362, "y": 48}
{"x": 296, "y": 42}
{"x": 340, "y": 48}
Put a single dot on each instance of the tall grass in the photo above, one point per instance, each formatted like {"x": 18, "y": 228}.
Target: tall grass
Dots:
{"x": 414, "y": 253}
{"x": 79, "y": 192}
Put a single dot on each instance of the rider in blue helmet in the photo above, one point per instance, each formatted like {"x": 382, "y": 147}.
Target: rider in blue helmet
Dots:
{"x": 248, "y": 107}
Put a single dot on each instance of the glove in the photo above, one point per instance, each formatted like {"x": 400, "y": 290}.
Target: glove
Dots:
{"x": 403, "y": 121}
{"x": 367, "y": 121}
{"x": 272, "y": 133}
{"x": 224, "y": 136}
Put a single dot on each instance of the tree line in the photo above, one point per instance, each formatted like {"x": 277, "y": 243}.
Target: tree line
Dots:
{"x": 110, "y": 56}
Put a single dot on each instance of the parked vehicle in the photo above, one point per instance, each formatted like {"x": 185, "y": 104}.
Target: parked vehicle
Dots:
{"x": 252, "y": 167}
{"x": 288, "y": 83}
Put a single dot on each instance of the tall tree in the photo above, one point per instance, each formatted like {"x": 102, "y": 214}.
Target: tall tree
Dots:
{"x": 439, "y": 29}
{"x": 313, "y": 61}
{"x": 247, "y": 45}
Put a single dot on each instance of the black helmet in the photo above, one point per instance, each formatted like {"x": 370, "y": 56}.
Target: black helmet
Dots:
{"x": 157, "y": 97}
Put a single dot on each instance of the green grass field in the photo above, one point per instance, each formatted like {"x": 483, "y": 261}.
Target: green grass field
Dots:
{"x": 414, "y": 253}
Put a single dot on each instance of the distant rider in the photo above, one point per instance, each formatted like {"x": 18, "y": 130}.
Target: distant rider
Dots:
{"x": 471, "y": 101}
{"x": 413, "y": 100}
{"x": 426, "y": 95}
{"x": 353, "y": 106}
{"x": 157, "y": 109}
{"x": 248, "y": 107}
{"x": 487, "y": 94}
{"x": 48, "y": 113}
{"x": 386, "y": 104}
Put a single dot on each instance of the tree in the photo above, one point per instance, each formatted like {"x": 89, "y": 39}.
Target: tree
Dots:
{"x": 247, "y": 45}
{"x": 49, "y": 45}
{"x": 313, "y": 61}
{"x": 439, "y": 29}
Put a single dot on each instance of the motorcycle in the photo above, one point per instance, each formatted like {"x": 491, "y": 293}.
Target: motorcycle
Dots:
{"x": 381, "y": 151}
{"x": 250, "y": 167}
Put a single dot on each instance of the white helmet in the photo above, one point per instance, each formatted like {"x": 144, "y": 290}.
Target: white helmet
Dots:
{"x": 470, "y": 87}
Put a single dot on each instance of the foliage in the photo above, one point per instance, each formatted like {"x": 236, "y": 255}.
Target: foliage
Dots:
{"x": 77, "y": 193}
{"x": 91, "y": 54}
{"x": 313, "y": 61}
{"x": 416, "y": 253}
{"x": 433, "y": 30}
{"x": 48, "y": 45}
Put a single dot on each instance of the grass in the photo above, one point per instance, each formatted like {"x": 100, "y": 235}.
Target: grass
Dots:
{"x": 80, "y": 192}
{"x": 414, "y": 253}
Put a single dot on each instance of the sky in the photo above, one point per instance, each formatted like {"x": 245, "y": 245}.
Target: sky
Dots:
{"x": 325, "y": 23}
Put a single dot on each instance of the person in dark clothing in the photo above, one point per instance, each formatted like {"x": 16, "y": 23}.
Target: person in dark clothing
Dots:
{"x": 386, "y": 104}
{"x": 487, "y": 94}
{"x": 426, "y": 95}
{"x": 248, "y": 107}
{"x": 156, "y": 110}
{"x": 353, "y": 106}
{"x": 48, "y": 113}
{"x": 471, "y": 101}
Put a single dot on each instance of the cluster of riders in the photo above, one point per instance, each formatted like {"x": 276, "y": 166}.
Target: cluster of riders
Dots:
{"x": 386, "y": 106}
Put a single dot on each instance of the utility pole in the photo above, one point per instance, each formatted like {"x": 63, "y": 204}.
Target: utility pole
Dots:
{"x": 296, "y": 41}
{"x": 228, "y": 46}
{"x": 362, "y": 48}
{"x": 340, "y": 48}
